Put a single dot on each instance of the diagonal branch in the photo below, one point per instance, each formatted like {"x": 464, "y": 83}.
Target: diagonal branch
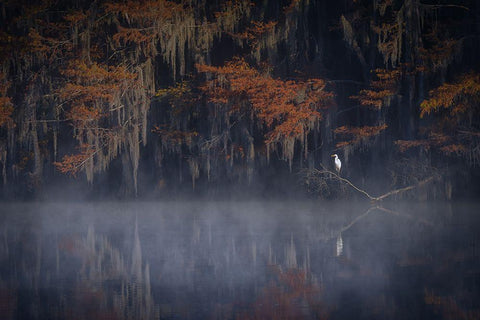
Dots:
{"x": 365, "y": 193}
{"x": 419, "y": 184}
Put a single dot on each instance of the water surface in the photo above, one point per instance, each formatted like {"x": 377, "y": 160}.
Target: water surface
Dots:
{"x": 239, "y": 260}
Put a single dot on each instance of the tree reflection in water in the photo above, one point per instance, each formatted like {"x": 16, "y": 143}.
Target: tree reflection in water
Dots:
{"x": 239, "y": 261}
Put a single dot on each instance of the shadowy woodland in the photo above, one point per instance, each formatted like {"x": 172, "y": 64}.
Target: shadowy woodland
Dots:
{"x": 158, "y": 98}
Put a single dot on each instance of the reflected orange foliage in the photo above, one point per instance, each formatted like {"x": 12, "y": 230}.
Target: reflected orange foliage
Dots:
{"x": 290, "y": 295}
{"x": 448, "y": 308}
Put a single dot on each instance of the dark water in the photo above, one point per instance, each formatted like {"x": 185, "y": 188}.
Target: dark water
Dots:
{"x": 240, "y": 260}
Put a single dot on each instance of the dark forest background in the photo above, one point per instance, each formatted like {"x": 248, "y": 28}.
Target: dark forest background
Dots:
{"x": 163, "y": 98}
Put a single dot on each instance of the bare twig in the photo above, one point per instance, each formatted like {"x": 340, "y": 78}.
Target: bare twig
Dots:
{"x": 47, "y": 121}
{"x": 436, "y": 6}
{"x": 470, "y": 133}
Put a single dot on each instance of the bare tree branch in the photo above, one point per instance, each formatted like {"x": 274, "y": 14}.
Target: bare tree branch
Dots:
{"x": 436, "y": 6}
{"x": 365, "y": 193}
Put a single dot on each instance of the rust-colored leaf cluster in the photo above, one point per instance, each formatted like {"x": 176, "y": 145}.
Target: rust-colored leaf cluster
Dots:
{"x": 293, "y": 4}
{"x": 457, "y": 97}
{"x": 439, "y": 55}
{"x": 254, "y": 33}
{"x": 6, "y": 106}
{"x": 384, "y": 87}
{"x": 289, "y": 109}
{"x": 73, "y": 163}
{"x": 91, "y": 88}
{"x": 356, "y": 135}
{"x": 405, "y": 145}
{"x": 49, "y": 40}
{"x": 175, "y": 138}
{"x": 447, "y": 144}
{"x": 144, "y": 20}
{"x": 180, "y": 97}
{"x": 76, "y": 17}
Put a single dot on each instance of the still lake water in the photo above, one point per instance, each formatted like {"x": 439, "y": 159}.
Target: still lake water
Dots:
{"x": 240, "y": 260}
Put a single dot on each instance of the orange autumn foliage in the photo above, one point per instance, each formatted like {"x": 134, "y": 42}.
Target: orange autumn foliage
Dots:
{"x": 6, "y": 110}
{"x": 144, "y": 11}
{"x": 404, "y": 145}
{"x": 381, "y": 90}
{"x": 454, "y": 106}
{"x": 91, "y": 88}
{"x": 293, "y": 4}
{"x": 92, "y": 93}
{"x": 174, "y": 138}
{"x": 145, "y": 19}
{"x": 288, "y": 109}
{"x": 73, "y": 163}
{"x": 458, "y": 97}
{"x": 439, "y": 55}
{"x": 82, "y": 113}
{"x": 290, "y": 295}
{"x": 51, "y": 40}
{"x": 75, "y": 17}
{"x": 6, "y": 106}
{"x": 447, "y": 144}
{"x": 253, "y": 33}
{"x": 357, "y": 134}
{"x": 448, "y": 308}
{"x": 180, "y": 97}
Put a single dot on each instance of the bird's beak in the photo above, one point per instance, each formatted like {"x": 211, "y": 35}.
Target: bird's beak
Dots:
{"x": 332, "y": 155}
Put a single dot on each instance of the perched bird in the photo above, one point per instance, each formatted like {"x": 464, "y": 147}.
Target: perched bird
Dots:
{"x": 338, "y": 163}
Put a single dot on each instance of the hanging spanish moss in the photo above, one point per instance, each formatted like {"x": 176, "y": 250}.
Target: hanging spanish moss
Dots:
{"x": 158, "y": 97}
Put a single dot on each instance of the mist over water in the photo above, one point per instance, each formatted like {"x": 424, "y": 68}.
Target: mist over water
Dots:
{"x": 239, "y": 260}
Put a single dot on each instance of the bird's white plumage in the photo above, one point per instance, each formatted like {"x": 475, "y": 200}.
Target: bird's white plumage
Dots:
{"x": 338, "y": 163}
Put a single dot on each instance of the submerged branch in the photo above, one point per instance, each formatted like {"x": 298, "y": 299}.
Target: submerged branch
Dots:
{"x": 419, "y": 184}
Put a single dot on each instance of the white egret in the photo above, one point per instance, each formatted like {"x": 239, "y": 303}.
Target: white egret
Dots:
{"x": 338, "y": 163}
